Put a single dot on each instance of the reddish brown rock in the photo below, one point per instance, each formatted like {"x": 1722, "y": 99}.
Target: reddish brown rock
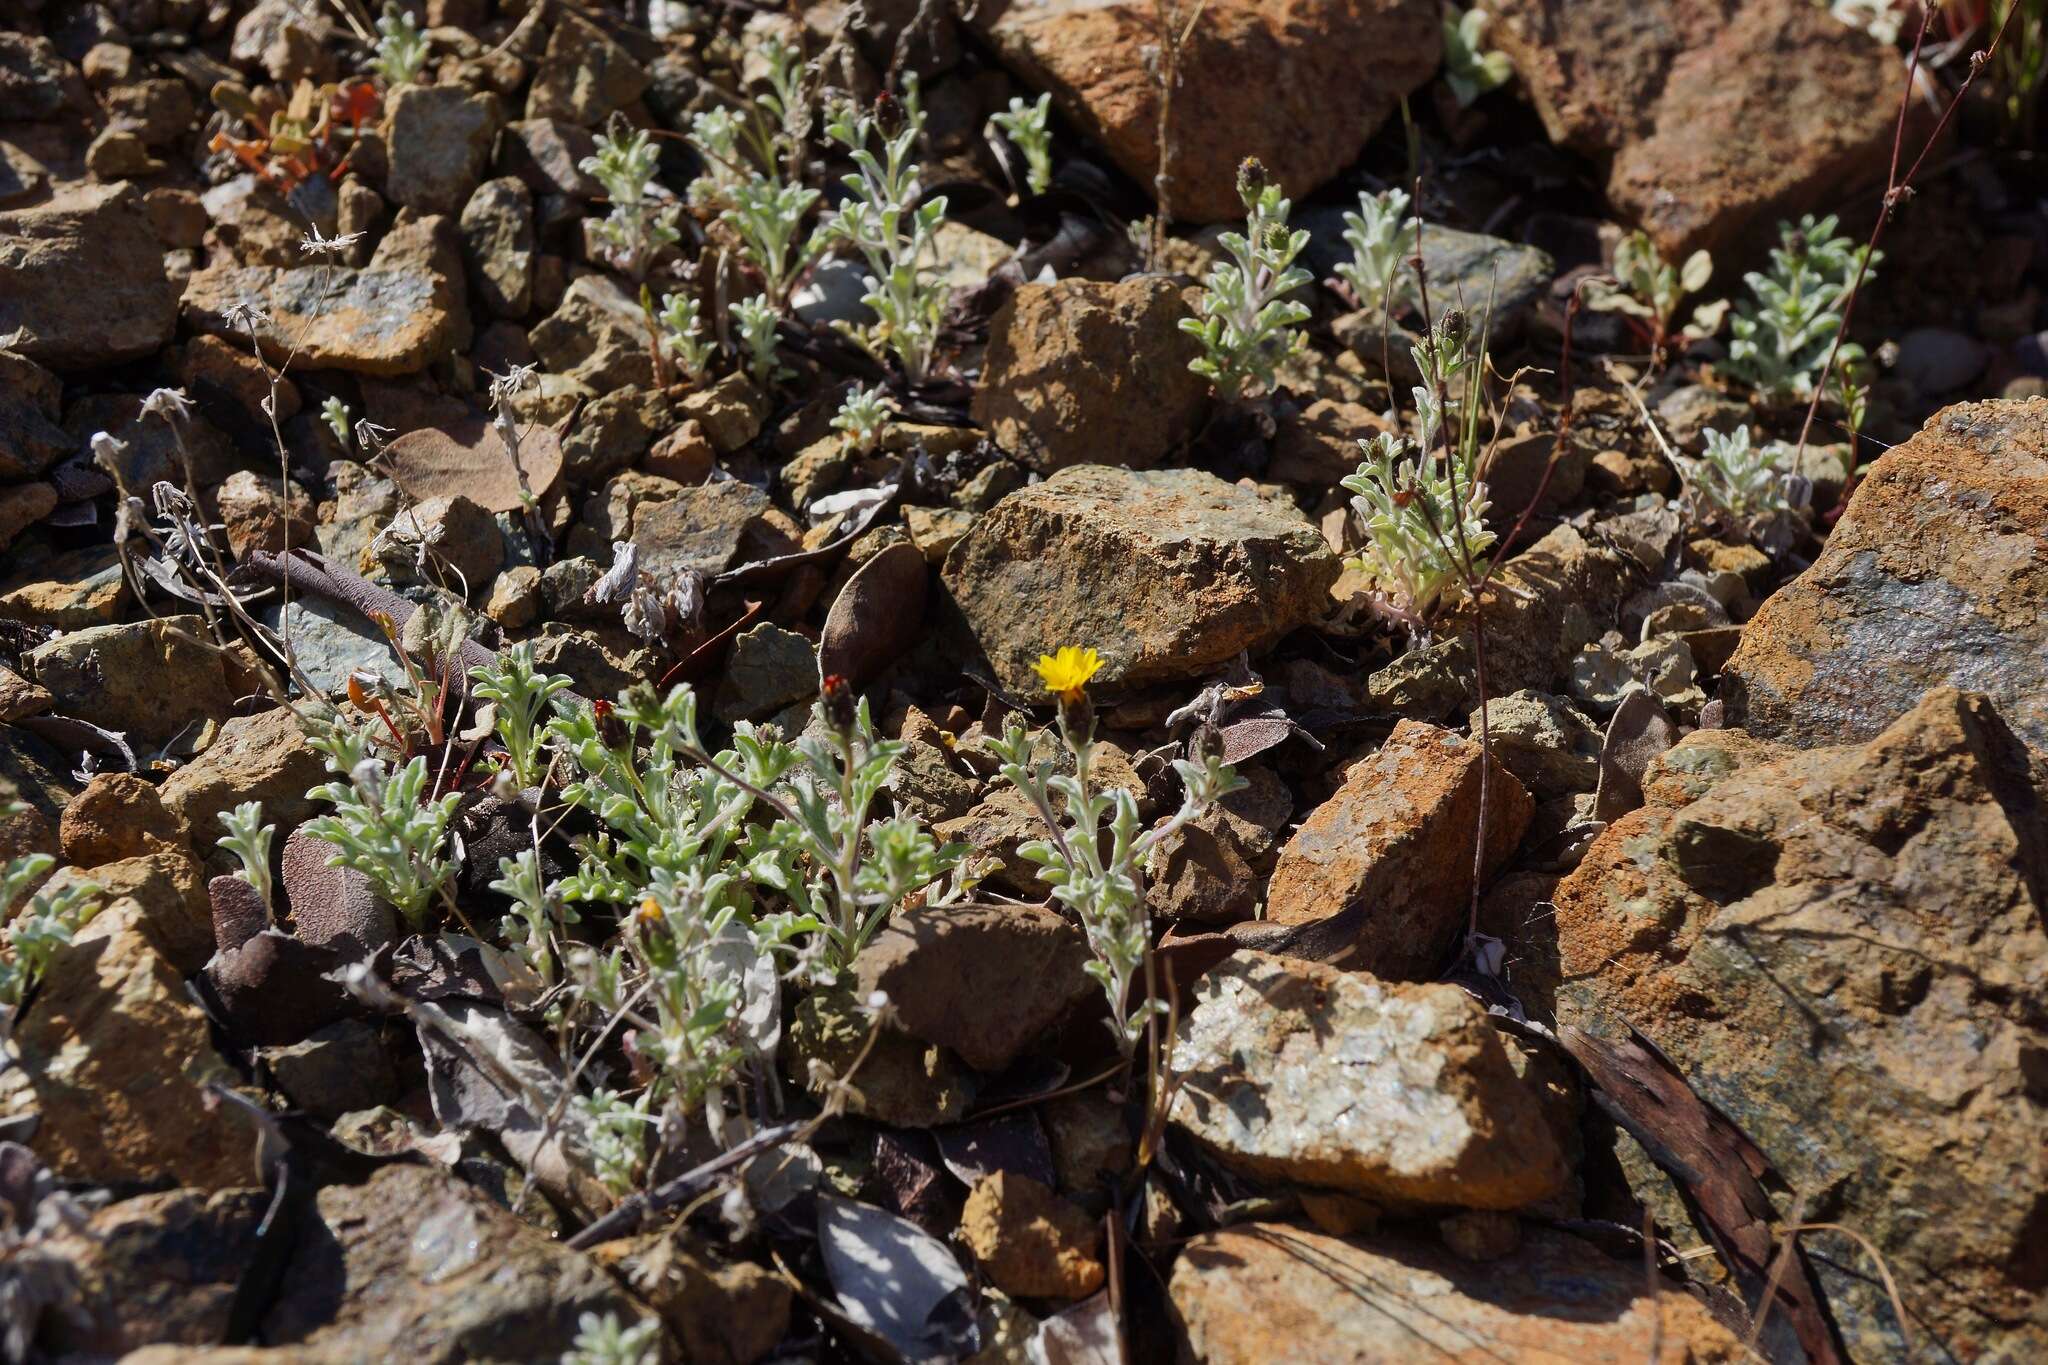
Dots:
{"x": 1390, "y": 1298}
{"x": 1397, "y": 838}
{"x": 258, "y": 517}
{"x": 1936, "y": 574}
{"x": 1714, "y": 117}
{"x": 119, "y": 815}
{"x": 1169, "y": 573}
{"x": 1843, "y": 949}
{"x": 942, "y": 965}
{"x": 1081, "y": 372}
{"x": 82, "y": 279}
{"x": 1300, "y": 84}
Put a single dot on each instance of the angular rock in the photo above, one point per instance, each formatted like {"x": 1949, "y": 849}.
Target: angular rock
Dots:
{"x": 942, "y": 965}
{"x": 1843, "y": 950}
{"x": 31, "y": 401}
{"x": 1081, "y": 372}
{"x": 22, "y": 505}
{"x": 151, "y": 678}
{"x": 76, "y": 589}
{"x": 1937, "y": 573}
{"x": 82, "y": 279}
{"x": 1548, "y": 746}
{"x": 258, "y": 517}
{"x": 905, "y": 1082}
{"x": 597, "y": 335}
{"x": 335, "y": 1070}
{"x": 1546, "y": 604}
{"x": 1031, "y": 1243}
{"x": 264, "y": 757}
{"x": 1713, "y": 118}
{"x": 1168, "y": 573}
{"x": 584, "y": 76}
{"x": 159, "y": 1269}
{"x": 1212, "y": 868}
{"x": 1471, "y": 266}
{"x": 116, "y": 816}
{"x": 723, "y": 1312}
{"x": 395, "y": 316}
{"x": 1397, "y": 839}
{"x": 1392, "y": 1298}
{"x": 460, "y": 539}
{"x": 769, "y": 668}
{"x": 497, "y": 233}
{"x": 1300, "y": 84}
{"x": 161, "y": 892}
{"x": 699, "y": 529}
{"x": 415, "y": 1264}
{"x": 440, "y": 143}
{"x": 118, "y": 1055}
{"x": 1300, "y": 1072}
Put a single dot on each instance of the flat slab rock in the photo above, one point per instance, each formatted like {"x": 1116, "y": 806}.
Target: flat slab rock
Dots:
{"x": 1297, "y": 1071}
{"x": 1713, "y": 117}
{"x": 1936, "y": 574}
{"x": 1390, "y": 1301}
{"x": 1169, "y": 573}
{"x": 395, "y": 316}
{"x": 1300, "y": 84}
{"x": 1843, "y": 949}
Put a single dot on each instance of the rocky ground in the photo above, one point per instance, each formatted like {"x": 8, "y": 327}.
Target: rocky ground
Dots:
{"x": 1631, "y": 948}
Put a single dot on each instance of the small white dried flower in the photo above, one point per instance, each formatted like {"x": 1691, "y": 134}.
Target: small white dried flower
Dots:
{"x": 313, "y": 244}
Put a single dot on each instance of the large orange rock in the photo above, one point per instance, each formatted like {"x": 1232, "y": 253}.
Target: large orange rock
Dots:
{"x": 1398, "y": 836}
{"x": 1711, "y": 116}
{"x": 1843, "y": 949}
{"x": 1299, "y": 84}
{"x": 1936, "y": 574}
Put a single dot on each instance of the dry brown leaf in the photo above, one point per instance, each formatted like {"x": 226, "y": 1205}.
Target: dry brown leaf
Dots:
{"x": 469, "y": 459}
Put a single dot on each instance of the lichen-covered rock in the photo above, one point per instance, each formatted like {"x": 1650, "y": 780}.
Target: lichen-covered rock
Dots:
{"x": 1297, "y": 1071}
{"x": 415, "y": 1264}
{"x": 1391, "y": 1298}
{"x": 1936, "y": 574}
{"x": 82, "y": 279}
{"x": 1712, "y": 116}
{"x": 1843, "y": 949}
{"x": 395, "y": 316}
{"x": 699, "y": 528}
{"x": 498, "y": 236}
{"x": 151, "y": 678}
{"x": 583, "y": 76}
{"x": 1397, "y": 838}
{"x": 1300, "y": 84}
{"x": 1169, "y": 573}
{"x": 1081, "y": 372}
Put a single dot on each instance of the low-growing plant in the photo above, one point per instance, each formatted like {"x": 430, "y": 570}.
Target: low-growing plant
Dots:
{"x": 1104, "y": 887}
{"x": 536, "y": 912}
{"x": 862, "y": 415}
{"x": 1781, "y": 337}
{"x": 338, "y": 418}
{"x": 1742, "y": 481}
{"x": 604, "y": 1340}
{"x": 48, "y": 922}
{"x": 1651, "y": 290}
{"x": 768, "y": 216}
{"x": 520, "y": 694}
{"x": 1380, "y": 235}
{"x": 641, "y": 221}
{"x": 249, "y": 839}
{"x": 682, "y": 335}
{"x": 383, "y": 824}
{"x": 755, "y": 321}
{"x": 1422, "y": 505}
{"x": 1248, "y": 324}
{"x": 891, "y": 223}
{"x": 1469, "y": 68}
{"x": 401, "y": 48}
{"x": 1029, "y": 128}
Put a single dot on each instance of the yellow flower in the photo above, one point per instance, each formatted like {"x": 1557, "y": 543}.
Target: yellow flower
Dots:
{"x": 1068, "y": 671}
{"x": 650, "y": 911}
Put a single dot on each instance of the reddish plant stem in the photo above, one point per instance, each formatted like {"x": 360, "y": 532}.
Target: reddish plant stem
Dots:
{"x": 1897, "y": 190}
